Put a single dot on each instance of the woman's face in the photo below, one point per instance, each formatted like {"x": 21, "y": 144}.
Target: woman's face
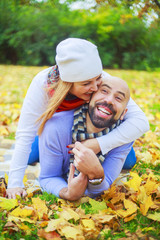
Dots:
{"x": 85, "y": 89}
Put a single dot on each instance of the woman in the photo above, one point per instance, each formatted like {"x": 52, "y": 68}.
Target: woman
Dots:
{"x": 66, "y": 87}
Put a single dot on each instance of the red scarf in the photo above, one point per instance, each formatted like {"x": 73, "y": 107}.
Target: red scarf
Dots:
{"x": 53, "y": 77}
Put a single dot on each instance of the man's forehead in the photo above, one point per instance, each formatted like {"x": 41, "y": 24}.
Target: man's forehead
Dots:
{"x": 115, "y": 83}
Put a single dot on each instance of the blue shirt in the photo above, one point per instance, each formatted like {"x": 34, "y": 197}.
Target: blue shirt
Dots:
{"x": 54, "y": 157}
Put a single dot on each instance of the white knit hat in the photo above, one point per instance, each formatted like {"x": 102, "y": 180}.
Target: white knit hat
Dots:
{"x": 78, "y": 60}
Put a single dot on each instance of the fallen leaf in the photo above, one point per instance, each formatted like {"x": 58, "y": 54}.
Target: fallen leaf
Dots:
{"x": 18, "y": 219}
{"x": 72, "y": 233}
{"x": 144, "y": 207}
{"x": 130, "y": 209}
{"x": 88, "y": 224}
{"x": 97, "y": 206}
{"x": 155, "y": 216}
{"x": 135, "y": 182}
{"x": 54, "y": 224}
{"x": 8, "y": 204}
{"x": 2, "y": 187}
{"x": 103, "y": 218}
{"x": 23, "y": 212}
{"x": 48, "y": 235}
{"x": 40, "y": 206}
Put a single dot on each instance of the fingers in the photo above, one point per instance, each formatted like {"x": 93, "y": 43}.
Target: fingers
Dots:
{"x": 71, "y": 172}
{"x": 71, "y": 146}
{"x": 79, "y": 145}
{"x": 12, "y": 193}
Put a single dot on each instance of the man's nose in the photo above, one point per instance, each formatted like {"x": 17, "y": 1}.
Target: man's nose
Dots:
{"x": 110, "y": 99}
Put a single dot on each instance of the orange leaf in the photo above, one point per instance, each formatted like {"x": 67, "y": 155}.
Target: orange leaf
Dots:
{"x": 48, "y": 235}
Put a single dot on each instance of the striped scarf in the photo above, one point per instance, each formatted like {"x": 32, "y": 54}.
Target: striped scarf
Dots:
{"x": 79, "y": 131}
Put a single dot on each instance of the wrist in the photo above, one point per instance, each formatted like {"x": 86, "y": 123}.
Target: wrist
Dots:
{"x": 67, "y": 194}
{"x": 96, "y": 181}
{"x": 97, "y": 174}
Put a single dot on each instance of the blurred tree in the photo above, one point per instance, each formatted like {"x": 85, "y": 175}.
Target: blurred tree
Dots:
{"x": 142, "y": 6}
{"x": 30, "y": 31}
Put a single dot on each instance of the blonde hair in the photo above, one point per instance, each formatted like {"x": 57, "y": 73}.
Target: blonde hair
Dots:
{"x": 61, "y": 90}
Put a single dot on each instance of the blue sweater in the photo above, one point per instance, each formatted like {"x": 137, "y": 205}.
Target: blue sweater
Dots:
{"x": 54, "y": 157}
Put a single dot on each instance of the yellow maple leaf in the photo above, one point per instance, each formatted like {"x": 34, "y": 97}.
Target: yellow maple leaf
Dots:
{"x": 88, "y": 223}
{"x": 135, "y": 182}
{"x": 22, "y": 212}
{"x": 19, "y": 219}
{"x": 144, "y": 207}
{"x": 104, "y": 218}
{"x": 72, "y": 232}
{"x": 150, "y": 186}
{"x": 155, "y": 216}
{"x": 54, "y": 224}
{"x": 142, "y": 196}
{"x": 8, "y": 204}
{"x": 40, "y": 206}
{"x": 69, "y": 214}
{"x": 130, "y": 209}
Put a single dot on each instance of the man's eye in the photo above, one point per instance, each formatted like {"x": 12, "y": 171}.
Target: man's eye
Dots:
{"x": 104, "y": 91}
{"x": 119, "y": 99}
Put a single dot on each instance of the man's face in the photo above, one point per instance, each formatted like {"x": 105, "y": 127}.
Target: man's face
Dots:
{"x": 109, "y": 103}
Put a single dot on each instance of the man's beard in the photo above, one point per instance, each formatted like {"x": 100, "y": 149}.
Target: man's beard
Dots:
{"x": 98, "y": 121}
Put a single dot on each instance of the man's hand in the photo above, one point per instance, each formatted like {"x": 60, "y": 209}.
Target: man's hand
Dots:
{"x": 12, "y": 192}
{"x": 86, "y": 161}
{"x": 76, "y": 186}
{"x": 89, "y": 143}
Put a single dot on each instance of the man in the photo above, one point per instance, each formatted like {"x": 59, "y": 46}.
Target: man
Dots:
{"x": 106, "y": 109}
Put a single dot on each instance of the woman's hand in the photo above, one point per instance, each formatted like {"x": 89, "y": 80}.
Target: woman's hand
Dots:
{"x": 12, "y": 192}
{"x": 76, "y": 186}
{"x": 89, "y": 143}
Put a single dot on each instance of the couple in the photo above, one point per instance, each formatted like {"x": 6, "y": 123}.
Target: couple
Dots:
{"x": 104, "y": 112}
{"x": 66, "y": 86}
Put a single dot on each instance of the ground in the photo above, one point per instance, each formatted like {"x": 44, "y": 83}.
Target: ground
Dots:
{"x": 129, "y": 210}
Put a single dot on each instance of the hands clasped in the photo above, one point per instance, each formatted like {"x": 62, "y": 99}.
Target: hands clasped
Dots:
{"x": 86, "y": 161}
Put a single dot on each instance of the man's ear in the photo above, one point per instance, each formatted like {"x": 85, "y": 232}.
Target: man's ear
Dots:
{"x": 124, "y": 112}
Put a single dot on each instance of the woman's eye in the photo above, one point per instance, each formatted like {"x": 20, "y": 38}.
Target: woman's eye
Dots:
{"x": 99, "y": 78}
{"x": 85, "y": 84}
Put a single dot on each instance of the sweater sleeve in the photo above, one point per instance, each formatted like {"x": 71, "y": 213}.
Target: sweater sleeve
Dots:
{"x": 135, "y": 124}
{"x": 33, "y": 106}
{"x": 54, "y": 156}
{"x": 112, "y": 166}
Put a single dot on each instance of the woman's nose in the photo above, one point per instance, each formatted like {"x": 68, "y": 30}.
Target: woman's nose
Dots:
{"x": 94, "y": 86}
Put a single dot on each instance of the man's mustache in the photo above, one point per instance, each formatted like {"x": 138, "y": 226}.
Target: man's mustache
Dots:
{"x": 105, "y": 104}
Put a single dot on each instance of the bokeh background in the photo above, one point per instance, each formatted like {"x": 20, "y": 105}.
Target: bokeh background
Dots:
{"x": 126, "y": 32}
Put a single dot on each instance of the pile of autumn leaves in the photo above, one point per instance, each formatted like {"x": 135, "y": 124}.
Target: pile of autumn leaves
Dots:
{"x": 131, "y": 194}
